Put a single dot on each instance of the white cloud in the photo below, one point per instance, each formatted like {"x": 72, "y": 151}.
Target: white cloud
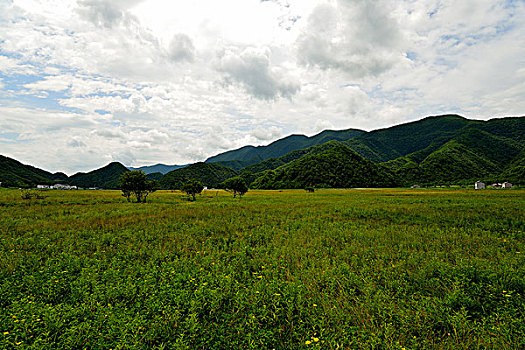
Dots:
{"x": 181, "y": 48}
{"x": 267, "y": 134}
{"x": 252, "y": 68}
{"x": 359, "y": 37}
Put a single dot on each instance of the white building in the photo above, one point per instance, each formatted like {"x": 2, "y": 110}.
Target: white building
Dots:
{"x": 479, "y": 185}
{"x": 63, "y": 187}
{"x": 42, "y": 186}
{"x": 506, "y": 185}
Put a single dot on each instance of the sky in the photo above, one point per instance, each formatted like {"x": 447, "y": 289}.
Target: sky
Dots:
{"x": 87, "y": 82}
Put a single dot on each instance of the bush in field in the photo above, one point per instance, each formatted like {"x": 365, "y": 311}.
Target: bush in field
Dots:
{"x": 309, "y": 189}
{"x": 235, "y": 185}
{"x": 136, "y": 183}
{"x": 192, "y": 188}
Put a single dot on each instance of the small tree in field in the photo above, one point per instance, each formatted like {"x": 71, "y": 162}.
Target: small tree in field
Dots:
{"x": 192, "y": 188}
{"x": 236, "y": 185}
{"x": 136, "y": 183}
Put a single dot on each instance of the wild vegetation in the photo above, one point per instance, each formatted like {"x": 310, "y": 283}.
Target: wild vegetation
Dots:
{"x": 334, "y": 269}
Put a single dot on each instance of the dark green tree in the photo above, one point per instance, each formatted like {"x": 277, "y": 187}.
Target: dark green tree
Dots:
{"x": 136, "y": 183}
{"x": 237, "y": 185}
{"x": 192, "y": 188}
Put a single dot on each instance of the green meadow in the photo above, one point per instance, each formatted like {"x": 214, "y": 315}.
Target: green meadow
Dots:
{"x": 334, "y": 269}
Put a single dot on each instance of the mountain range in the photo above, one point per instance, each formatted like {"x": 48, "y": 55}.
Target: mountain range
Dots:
{"x": 434, "y": 150}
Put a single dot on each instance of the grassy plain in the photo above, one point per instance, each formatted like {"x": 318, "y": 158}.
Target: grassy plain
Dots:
{"x": 336, "y": 269}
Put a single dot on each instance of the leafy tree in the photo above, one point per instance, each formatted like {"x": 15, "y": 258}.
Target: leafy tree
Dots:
{"x": 309, "y": 189}
{"x": 136, "y": 183}
{"x": 192, "y": 188}
{"x": 237, "y": 185}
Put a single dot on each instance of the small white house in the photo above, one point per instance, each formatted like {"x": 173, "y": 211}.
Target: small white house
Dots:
{"x": 43, "y": 186}
{"x": 478, "y": 185}
{"x": 506, "y": 185}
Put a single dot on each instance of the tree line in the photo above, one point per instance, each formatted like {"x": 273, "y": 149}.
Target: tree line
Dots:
{"x": 135, "y": 184}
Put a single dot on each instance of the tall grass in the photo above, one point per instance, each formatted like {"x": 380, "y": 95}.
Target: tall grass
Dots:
{"x": 335, "y": 269}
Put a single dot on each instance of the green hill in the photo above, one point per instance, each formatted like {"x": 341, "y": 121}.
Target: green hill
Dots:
{"x": 472, "y": 154}
{"x": 515, "y": 171}
{"x": 336, "y": 167}
{"x": 274, "y": 163}
{"x": 397, "y": 141}
{"x": 106, "y": 177}
{"x": 420, "y": 138}
{"x": 15, "y": 174}
{"x": 249, "y": 155}
{"x": 211, "y": 175}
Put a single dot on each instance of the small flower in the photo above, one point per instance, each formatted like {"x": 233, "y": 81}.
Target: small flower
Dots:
{"x": 308, "y": 342}
{"x": 6, "y": 333}
{"x": 316, "y": 339}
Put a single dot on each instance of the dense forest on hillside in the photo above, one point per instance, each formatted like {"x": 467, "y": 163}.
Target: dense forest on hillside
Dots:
{"x": 209, "y": 174}
{"x": 337, "y": 167}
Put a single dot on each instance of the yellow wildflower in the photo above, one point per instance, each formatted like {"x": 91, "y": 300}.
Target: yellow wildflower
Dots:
{"x": 308, "y": 342}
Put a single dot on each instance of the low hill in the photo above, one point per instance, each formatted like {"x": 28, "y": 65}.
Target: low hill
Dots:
{"x": 158, "y": 168}
{"x": 15, "y": 174}
{"x": 210, "y": 174}
{"x": 249, "y": 155}
{"x": 337, "y": 167}
{"x": 106, "y": 177}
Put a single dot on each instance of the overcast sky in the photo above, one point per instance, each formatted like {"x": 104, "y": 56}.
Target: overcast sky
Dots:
{"x": 87, "y": 82}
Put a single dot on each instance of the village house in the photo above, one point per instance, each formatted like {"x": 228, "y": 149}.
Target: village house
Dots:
{"x": 479, "y": 185}
{"x": 506, "y": 185}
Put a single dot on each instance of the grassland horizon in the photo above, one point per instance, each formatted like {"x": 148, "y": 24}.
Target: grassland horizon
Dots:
{"x": 334, "y": 269}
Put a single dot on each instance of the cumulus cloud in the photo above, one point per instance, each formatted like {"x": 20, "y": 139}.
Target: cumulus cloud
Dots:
{"x": 105, "y": 13}
{"x": 181, "y": 48}
{"x": 358, "y": 37}
{"x": 252, "y": 68}
{"x": 266, "y": 134}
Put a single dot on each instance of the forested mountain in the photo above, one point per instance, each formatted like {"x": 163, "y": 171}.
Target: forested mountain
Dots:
{"x": 440, "y": 149}
{"x": 473, "y": 154}
{"x": 249, "y": 155}
{"x": 211, "y": 175}
{"x": 336, "y": 167}
{"x": 106, "y": 177}
{"x": 15, "y": 174}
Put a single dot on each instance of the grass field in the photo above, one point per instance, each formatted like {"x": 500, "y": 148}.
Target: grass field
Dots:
{"x": 336, "y": 269}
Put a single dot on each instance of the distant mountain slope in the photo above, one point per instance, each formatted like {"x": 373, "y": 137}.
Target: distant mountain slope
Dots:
{"x": 427, "y": 135}
{"x": 336, "y": 167}
{"x": 249, "y": 155}
{"x": 515, "y": 171}
{"x": 274, "y": 163}
{"x": 394, "y": 142}
{"x": 210, "y": 174}
{"x": 106, "y": 177}
{"x": 472, "y": 154}
{"x": 15, "y": 174}
{"x": 158, "y": 168}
